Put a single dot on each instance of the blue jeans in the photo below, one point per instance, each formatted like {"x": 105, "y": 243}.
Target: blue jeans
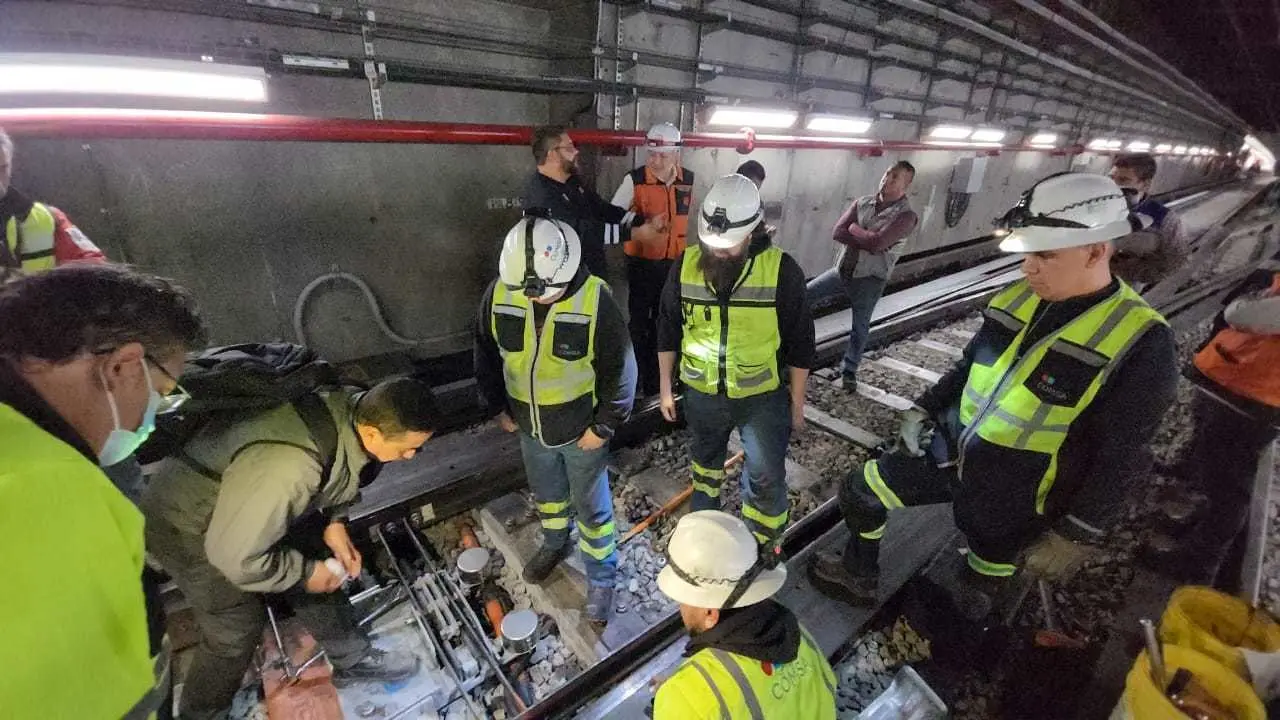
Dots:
{"x": 764, "y": 422}
{"x": 863, "y": 293}
{"x": 567, "y": 481}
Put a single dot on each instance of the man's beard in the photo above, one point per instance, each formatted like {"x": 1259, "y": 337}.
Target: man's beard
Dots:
{"x": 721, "y": 273}
{"x": 568, "y": 167}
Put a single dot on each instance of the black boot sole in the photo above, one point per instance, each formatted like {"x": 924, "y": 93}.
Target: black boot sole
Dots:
{"x": 839, "y": 591}
{"x": 539, "y": 578}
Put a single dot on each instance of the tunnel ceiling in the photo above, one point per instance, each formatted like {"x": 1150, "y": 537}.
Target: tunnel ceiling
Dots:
{"x": 1229, "y": 47}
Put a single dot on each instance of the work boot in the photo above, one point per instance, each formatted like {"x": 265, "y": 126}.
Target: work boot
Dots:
{"x": 544, "y": 561}
{"x": 849, "y": 382}
{"x": 829, "y": 575}
{"x": 599, "y": 600}
{"x": 386, "y": 666}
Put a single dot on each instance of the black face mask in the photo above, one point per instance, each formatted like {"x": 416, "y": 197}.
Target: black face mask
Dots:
{"x": 1133, "y": 196}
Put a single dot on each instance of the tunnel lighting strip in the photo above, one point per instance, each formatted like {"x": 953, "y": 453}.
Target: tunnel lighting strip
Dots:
{"x": 840, "y": 124}
{"x": 950, "y": 132}
{"x": 40, "y": 74}
{"x": 753, "y": 117}
{"x": 1044, "y": 139}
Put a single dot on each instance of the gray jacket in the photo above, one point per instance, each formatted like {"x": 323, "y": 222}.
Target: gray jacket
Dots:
{"x": 270, "y": 477}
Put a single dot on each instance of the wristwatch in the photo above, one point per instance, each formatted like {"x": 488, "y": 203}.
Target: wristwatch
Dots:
{"x": 604, "y": 432}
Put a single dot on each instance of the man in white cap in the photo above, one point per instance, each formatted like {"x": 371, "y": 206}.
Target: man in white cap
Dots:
{"x": 1044, "y": 424}
{"x": 748, "y": 656}
{"x": 662, "y": 190}
{"x": 553, "y": 360}
{"x": 734, "y": 309}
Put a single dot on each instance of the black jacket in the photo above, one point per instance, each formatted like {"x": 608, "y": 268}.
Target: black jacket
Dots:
{"x": 795, "y": 322}
{"x": 597, "y": 222}
{"x": 766, "y": 631}
{"x": 615, "y": 369}
{"x": 1106, "y": 448}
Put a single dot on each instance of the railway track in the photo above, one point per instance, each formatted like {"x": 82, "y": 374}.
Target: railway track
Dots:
{"x": 917, "y": 334}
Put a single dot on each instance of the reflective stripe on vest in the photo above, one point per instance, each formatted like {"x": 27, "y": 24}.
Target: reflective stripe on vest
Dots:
{"x": 743, "y": 688}
{"x": 1247, "y": 364}
{"x": 31, "y": 241}
{"x": 731, "y": 347}
{"x": 652, "y": 198}
{"x": 997, "y": 405}
{"x": 535, "y": 375}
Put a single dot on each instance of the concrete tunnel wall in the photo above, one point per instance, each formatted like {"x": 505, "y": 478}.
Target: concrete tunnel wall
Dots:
{"x": 248, "y": 225}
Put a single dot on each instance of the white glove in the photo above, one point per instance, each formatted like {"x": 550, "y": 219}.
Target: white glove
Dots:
{"x": 913, "y": 433}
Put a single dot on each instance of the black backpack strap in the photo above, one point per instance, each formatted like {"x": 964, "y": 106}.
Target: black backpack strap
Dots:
{"x": 320, "y": 426}
{"x": 323, "y": 430}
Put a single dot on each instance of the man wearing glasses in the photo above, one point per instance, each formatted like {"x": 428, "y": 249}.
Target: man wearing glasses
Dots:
{"x": 88, "y": 357}
{"x": 557, "y": 188}
{"x": 230, "y": 519}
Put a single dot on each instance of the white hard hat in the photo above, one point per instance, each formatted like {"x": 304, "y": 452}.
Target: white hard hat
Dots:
{"x": 554, "y": 248}
{"x": 709, "y": 553}
{"x": 729, "y": 213}
{"x": 663, "y": 137}
{"x": 1067, "y": 210}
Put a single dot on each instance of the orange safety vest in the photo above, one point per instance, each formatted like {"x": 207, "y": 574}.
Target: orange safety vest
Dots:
{"x": 1244, "y": 363}
{"x": 653, "y": 198}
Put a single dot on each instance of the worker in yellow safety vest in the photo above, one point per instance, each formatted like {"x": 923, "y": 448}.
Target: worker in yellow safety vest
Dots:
{"x": 1043, "y": 425}
{"x": 748, "y": 656}
{"x": 37, "y": 237}
{"x": 554, "y": 363}
{"x": 89, "y": 354}
{"x": 735, "y": 321}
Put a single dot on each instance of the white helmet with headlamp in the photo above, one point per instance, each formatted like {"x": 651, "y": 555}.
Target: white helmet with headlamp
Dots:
{"x": 729, "y": 213}
{"x": 1067, "y": 210}
{"x": 539, "y": 256}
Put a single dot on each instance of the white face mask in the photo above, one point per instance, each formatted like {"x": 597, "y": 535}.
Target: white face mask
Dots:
{"x": 122, "y": 443}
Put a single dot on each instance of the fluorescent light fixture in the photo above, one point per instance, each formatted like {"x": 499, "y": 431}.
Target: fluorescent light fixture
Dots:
{"x": 839, "y": 124}
{"x": 313, "y": 61}
{"x": 1180, "y": 150}
{"x": 1044, "y": 139}
{"x": 990, "y": 135}
{"x": 1266, "y": 159}
{"x": 43, "y": 74}
{"x": 950, "y": 132}
{"x": 753, "y": 117}
{"x": 1164, "y": 147}
{"x": 1102, "y": 144}
{"x": 1114, "y": 144}
{"x": 1138, "y": 146}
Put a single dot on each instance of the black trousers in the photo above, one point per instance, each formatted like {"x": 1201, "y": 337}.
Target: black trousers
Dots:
{"x": 1223, "y": 461}
{"x": 895, "y": 480}
{"x": 645, "y": 280}
{"x": 232, "y": 621}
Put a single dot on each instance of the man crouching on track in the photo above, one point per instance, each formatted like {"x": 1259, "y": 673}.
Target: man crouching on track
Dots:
{"x": 748, "y": 655}
{"x": 554, "y": 357}
{"x": 1044, "y": 422}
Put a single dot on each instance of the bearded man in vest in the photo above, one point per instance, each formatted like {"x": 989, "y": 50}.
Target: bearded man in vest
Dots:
{"x": 870, "y": 235}
{"x": 553, "y": 360}
{"x": 1044, "y": 424}
{"x": 734, "y": 311}
{"x": 36, "y": 237}
{"x": 748, "y": 656}
{"x": 1237, "y": 413}
{"x": 663, "y": 190}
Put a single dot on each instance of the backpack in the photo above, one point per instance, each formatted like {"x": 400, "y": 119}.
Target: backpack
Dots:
{"x": 239, "y": 380}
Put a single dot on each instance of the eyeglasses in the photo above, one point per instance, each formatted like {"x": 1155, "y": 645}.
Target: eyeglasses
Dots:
{"x": 176, "y": 398}
{"x": 566, "y": 148}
